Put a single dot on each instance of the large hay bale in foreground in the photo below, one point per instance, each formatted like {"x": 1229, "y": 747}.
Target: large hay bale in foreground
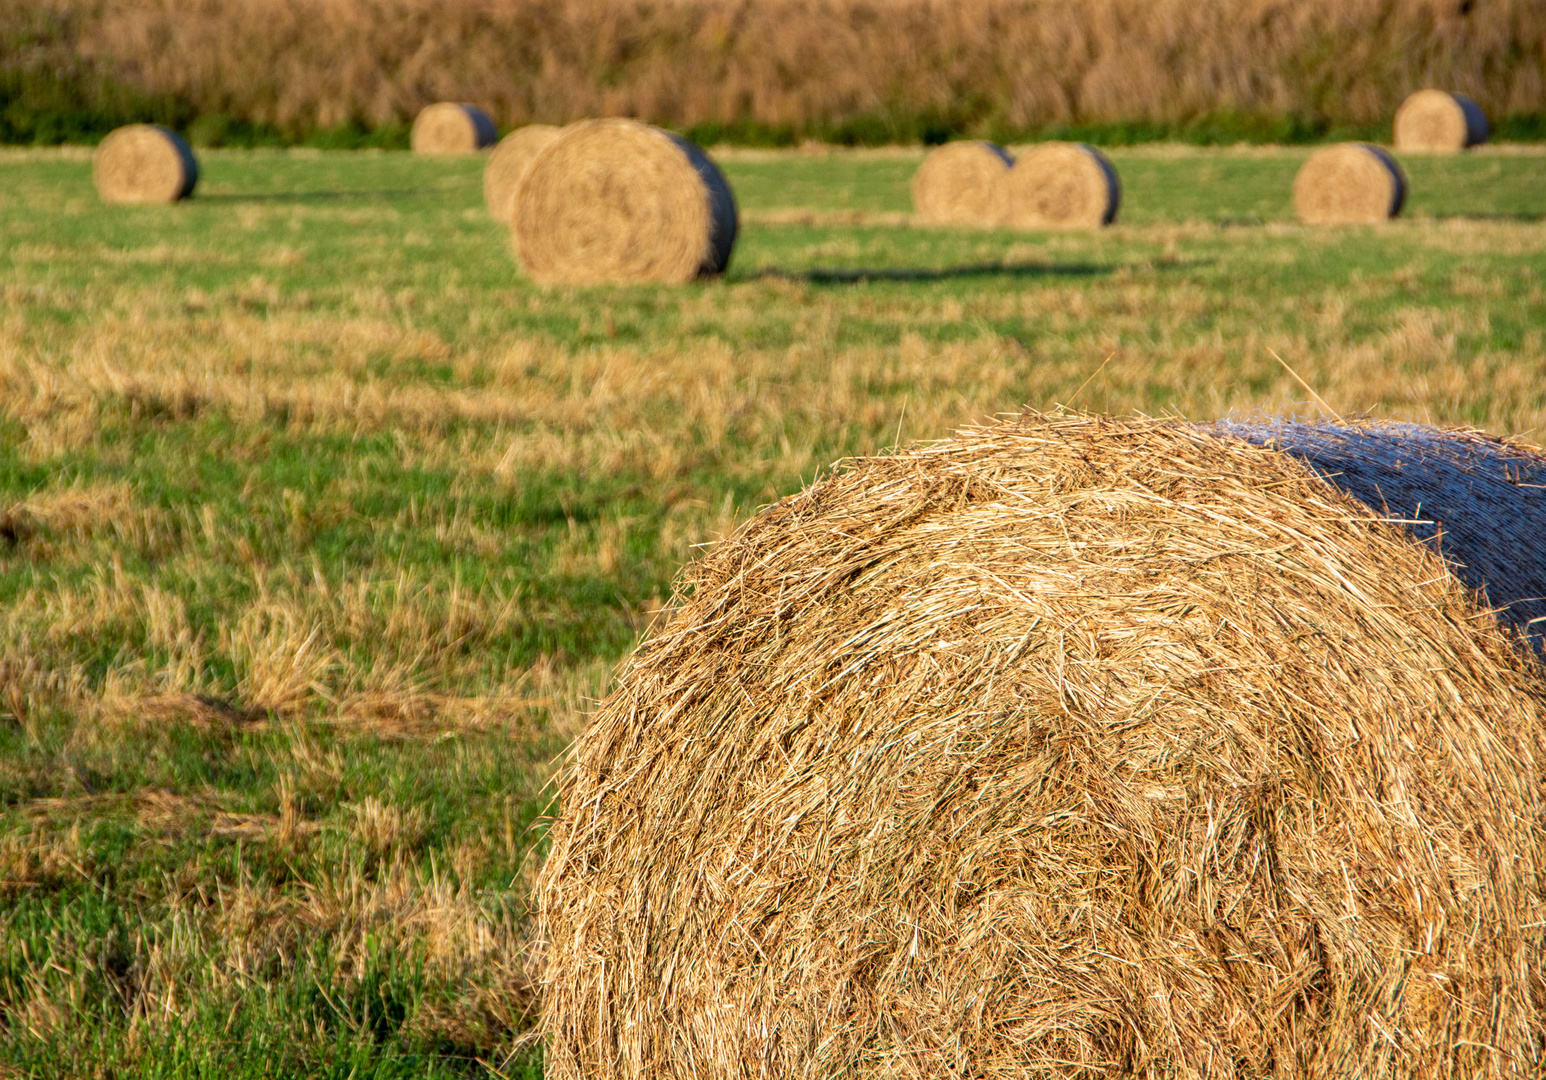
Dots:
{"x": 1058, "y": 185}
{"x": 507, "y": 166}
{"x": 1431, "y": 121}
{"x": 1349, "y": 184}
{"x": 144, "y": 163}
{"x": 613, "y": 201}
{"x": 1480, "y": 502}
{"x": 1069, "y": 747}
{"x": 451, "y": 127}
{"x": 962, "y": 183}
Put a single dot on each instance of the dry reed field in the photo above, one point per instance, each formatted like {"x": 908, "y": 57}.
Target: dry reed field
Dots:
{"x": 856, "y": 70}
{"x": 322, "y": 527}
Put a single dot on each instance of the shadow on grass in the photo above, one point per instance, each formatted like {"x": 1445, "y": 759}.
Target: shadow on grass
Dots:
{"x": 858, "y": 275}
{"x": 309, "y": 196}
{"x": 1519, "y": 216}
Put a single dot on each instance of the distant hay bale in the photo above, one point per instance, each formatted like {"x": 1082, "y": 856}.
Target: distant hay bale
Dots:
{"x": 144, "y": 163}
{"x": 962, "y": 183}
{"x": 611, "y": 201}
{"x": 508, "y": 164}
{"x": 1432, "y": 121}
{"x": 1059, "y": 185}
{"x": 1349, "y": 184}
{"x": 451, "y": 127}
{"x": 1478, "y": 501}
{"x": 1065, "y": 748}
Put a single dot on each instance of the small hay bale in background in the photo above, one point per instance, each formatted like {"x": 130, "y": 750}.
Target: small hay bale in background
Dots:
{"x": 1348, "y": 184}
{"x": 962, "y": 183}
{"x": 1065, "y": 747}
{"x": 508, "y": 164}
{"x": 1432, "y": 121}
{"x": 451, "y": 127}
{"x": 1480, "y": 502}
{"x": 612, "y": 201}
{"x": 1059, "y": 185}
{"x": 144, "y": 163}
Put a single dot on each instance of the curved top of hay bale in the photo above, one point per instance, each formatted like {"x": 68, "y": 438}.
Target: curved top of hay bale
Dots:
{"x": 1433, "y": 121}
{"x": 962, "y": 183}
{"x": 451, "y": 127}
{"x": 1057, "y": 185}
{"x": 1479, "y": 501}
{"x": 1065, "y": 747}
{"x": 507, "y": 166}
{"x": 1349, "y": 184}
{"x": 619, "y": 201}
{"x": 144, "y": 163}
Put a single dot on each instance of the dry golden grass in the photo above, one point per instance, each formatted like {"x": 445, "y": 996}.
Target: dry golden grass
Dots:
{"x": 805, "y": 62}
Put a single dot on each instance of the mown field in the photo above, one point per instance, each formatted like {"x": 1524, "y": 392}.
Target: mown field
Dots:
{"x": 320, "y": 526}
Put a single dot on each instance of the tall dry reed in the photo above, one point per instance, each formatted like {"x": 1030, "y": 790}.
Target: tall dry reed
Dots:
{"x": 1015, "y": 64}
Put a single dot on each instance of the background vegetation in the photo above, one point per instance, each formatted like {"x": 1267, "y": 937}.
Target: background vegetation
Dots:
{"x": 772, "y": 72}
{"x": 319, "y": 526}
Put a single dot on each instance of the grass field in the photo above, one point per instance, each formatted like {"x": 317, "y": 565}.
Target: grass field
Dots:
{"x": 320, "y": 526}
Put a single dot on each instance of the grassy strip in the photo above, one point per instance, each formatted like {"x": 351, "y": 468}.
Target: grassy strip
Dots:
{"x": 53, "y": 114}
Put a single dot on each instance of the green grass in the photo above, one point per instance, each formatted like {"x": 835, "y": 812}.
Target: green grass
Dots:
{"x": 321, "y": 525}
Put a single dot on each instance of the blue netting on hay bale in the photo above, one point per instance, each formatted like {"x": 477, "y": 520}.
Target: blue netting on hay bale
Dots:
{"x": 1479, "y": 501}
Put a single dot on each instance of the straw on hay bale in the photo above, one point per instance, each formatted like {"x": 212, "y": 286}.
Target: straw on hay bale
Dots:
{"x": 1479, "y": 501}
{"x": 619, "y": 201}
{"x": 451, "y": 127}
{"x": 1432, "y": 121}
{"x": 1348, "y": 184}
{"x": 144, "y": 163}
{"x": 1059, "y": 185}
{"x": 1068, "y": 747}
{"x": 507, "y": 166}
{"x": 962, "y": 183}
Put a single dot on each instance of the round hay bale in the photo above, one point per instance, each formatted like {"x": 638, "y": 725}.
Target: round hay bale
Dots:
{"x": 451, "y": 127}
{"x": 507, "y": 166}
{"x": 144, "y": 163}
{"x": 1067, "y": 748}
{"x": 1431, "y": 121}
{"x": 1478, "y": 501}
{"x": 962, "y": 183}
{"x": 1059, "y": 185}
{"x": 612, "y": 201}
{"x": 1348, "y": 184}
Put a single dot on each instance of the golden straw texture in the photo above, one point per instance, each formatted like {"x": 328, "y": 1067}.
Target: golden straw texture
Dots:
{"x": 1348, "y": 184}
{"x": 507, "y": 166}
{"x": 1062, "y": 186}
{"x": 450, "y": 127}
{"x": 962, "y": 183}
{"x": 1431, "y": 121}
{"x": 1070, "y": 747}
{"x": 144, "y": 163}
{"x": 619, "y": 201}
